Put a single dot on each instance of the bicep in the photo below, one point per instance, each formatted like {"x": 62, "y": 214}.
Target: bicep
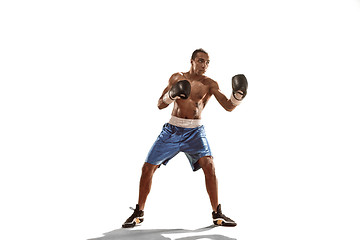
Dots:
{"x": 221, "y": 98}
{"x": 215, "y": 90}
{"x": 161, "y": 103}
{"x": 170, "y": 83}
{"x": 165, "y": 91}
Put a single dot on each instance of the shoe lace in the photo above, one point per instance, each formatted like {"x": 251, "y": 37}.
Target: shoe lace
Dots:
{"x": 225, "y": 217}
{"x": 132, "y": 215}
{"x": 220, "y": 214}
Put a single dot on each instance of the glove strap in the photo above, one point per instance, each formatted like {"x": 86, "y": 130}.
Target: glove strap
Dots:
{"x": 234, "y": 101}
{"x": 167, "y": 99}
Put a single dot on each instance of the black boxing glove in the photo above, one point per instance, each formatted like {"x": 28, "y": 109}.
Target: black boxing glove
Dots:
{"x": 180, "y": 89}
{"x": 239, "y": 86}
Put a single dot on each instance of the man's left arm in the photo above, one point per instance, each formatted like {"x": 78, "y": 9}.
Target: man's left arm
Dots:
{"x": 227, "y": 104}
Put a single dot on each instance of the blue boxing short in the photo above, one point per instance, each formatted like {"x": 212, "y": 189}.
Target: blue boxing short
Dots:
{"x": 174, "y": 139}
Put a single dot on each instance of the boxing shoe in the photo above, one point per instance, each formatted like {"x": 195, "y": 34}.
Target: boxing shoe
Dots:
{"x": 135, "y": 219}
{"x": 220, "y": 219}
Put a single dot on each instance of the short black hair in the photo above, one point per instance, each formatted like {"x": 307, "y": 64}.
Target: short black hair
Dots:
{"x": 193, "y": 56}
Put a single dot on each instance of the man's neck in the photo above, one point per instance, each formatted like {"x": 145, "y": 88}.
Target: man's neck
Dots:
{"x": 193, "y": 76}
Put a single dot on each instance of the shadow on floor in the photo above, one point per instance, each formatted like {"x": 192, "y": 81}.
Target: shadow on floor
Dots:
{"x": 157, "y": 234}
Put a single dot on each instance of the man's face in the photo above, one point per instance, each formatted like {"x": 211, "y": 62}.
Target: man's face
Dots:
{"x": 200, "y": 64}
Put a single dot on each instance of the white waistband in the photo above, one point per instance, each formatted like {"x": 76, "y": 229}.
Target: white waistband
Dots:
{"x": 185, "y": 123}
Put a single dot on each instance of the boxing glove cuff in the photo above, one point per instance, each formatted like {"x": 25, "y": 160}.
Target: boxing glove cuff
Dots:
{"x": 234, "y": 101}
{"x": 167, "y": 99}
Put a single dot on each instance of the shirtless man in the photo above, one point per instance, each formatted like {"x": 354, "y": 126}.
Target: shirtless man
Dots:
{"x": 189, "y": 92}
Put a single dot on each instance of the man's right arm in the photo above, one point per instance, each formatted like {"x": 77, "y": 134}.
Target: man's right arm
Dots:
{"x": 176, "y": 89}
{"x": 163, "y": 103}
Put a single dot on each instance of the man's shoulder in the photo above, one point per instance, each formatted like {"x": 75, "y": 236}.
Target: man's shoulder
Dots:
{"x": 177, "y": 76}
{"x": 208, "y": 81}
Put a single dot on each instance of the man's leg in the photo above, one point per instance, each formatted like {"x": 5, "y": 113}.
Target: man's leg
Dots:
{"x": 145, "y": 185}
{"x": 148, "y": 171}
{"x": 207, "y": 165}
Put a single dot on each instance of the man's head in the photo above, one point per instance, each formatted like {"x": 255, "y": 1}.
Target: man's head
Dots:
{"x": 199, "y": 61}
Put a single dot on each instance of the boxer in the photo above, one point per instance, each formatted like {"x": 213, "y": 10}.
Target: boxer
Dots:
{"x": 189, "y": 92}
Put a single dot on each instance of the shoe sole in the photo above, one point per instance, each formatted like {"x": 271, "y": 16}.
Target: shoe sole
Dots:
{"x": 135, "y": 222}
{"x": 222, "y": 222}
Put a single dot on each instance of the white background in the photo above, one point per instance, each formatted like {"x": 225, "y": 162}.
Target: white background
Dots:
{"x": 79, "y": 87}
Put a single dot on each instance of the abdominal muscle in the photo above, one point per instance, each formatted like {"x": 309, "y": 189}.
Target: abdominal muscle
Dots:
{"x": 187, "y": 109}
{"x": 192, "y": 107}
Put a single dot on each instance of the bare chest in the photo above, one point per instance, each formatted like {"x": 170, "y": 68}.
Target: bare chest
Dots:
{"x": 198, "y": 91}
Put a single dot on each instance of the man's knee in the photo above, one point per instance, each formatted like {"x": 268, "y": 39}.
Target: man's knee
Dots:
{"x": 148, "y": 169}
{"x": 207, "y": 164}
